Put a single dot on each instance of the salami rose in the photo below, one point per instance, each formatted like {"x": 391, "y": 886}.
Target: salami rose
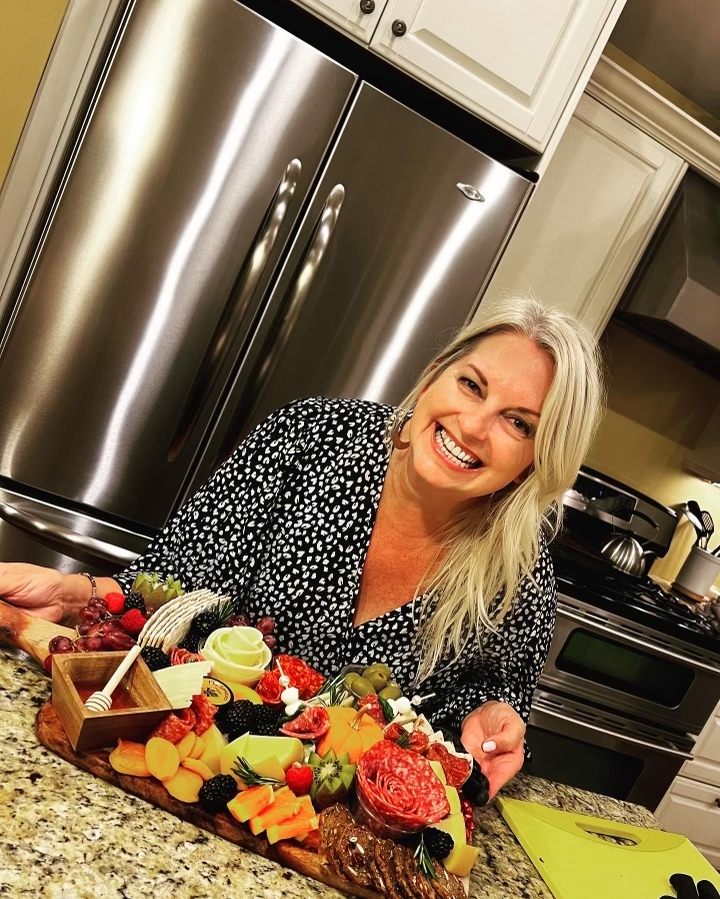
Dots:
{"x": 400, "y": 788}
{"x": 175, "y": 725}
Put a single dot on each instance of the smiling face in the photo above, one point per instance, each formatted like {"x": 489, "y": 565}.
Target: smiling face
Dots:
{"x": 473, "y": 429}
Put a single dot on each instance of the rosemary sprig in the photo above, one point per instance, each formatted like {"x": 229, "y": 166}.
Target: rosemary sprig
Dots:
{"x": 403, "y": 739}
{"x": 224, "y": 609}
{"x": 246, "y": 772}
{"x": 423, "y": 861}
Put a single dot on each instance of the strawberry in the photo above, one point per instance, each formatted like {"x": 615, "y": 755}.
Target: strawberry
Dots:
{"x": 299, "y": 778}
{"x": 115, "y": 603}
{"x": 133, "y": 622}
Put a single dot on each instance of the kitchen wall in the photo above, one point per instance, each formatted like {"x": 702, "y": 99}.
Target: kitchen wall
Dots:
{"x": 658, "y": 406}
{"x": 27, "y": 32}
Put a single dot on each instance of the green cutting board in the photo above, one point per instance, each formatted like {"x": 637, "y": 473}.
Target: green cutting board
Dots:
{"x": 576, "y": 863}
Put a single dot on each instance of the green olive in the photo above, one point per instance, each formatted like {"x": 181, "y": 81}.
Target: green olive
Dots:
{"x": 377, "y": 679}
{"x": 349, "y": 678}
{"x": 377, "y": 666}
{"x": 361, "y": 686}
{"x": 392, "y": 691}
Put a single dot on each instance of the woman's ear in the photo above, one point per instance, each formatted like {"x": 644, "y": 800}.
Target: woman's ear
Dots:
{"x": 524, "y": 475}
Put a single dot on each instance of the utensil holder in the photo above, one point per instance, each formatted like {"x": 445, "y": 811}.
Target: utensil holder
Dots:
{"x": 146, "y": 706}
{"x": 697, "y": 574}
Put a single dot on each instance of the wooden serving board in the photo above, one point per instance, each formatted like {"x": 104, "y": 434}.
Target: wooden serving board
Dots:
{"x": 288, "y": 852}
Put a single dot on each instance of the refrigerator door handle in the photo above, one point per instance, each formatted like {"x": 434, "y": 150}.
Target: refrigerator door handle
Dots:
{"x": 295, "y": 296}
{"x": 67, "y": 540}
{"x": 229, "y": 326}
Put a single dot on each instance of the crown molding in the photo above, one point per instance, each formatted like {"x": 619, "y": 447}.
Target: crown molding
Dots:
{"x": 671, "y": 126}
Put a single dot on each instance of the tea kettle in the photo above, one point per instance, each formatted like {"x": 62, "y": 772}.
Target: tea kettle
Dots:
{"x": 625, "y": 552}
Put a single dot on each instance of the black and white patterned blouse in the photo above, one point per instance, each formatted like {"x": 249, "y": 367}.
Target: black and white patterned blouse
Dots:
{"x": 283, "y": 527}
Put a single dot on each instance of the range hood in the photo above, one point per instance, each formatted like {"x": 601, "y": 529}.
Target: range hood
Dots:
{"x": 674, "y": 295}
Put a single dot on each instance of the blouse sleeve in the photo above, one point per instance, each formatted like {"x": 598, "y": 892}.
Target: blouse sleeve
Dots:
{"x": 216, "y": 538}
{"x": 509, "y": 664}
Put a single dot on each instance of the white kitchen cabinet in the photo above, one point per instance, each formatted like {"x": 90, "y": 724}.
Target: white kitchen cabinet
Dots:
{"x": 516, "y": 64}
{"x": 359, "y": 17}
{"x": 693, "y": 809}
{"x": 590, "y": 217}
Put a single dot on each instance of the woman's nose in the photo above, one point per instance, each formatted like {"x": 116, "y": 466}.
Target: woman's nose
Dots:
{"x": 476, "y": 423}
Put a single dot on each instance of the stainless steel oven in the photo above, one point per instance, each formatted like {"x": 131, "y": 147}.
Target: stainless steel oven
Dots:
{"x": 573, "y": 742}
{"x": 625, "y": 666}
{"x": 633, "y": 671}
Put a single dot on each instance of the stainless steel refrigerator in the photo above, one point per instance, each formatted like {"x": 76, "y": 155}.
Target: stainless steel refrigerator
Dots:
{"x": 239, "y": 223}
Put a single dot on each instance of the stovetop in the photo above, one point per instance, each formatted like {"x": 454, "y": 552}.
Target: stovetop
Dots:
{"x": 639, "y": 599}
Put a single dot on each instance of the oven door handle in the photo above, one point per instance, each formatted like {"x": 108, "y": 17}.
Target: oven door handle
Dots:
{"x": 630, "y": 638}
{"x": 542, "y": 709}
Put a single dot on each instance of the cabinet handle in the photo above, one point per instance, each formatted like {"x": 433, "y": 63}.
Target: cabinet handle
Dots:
{"x": 367, "y": 6}
{"x": 717, "y": 801}
{"x": 399, "y": 28}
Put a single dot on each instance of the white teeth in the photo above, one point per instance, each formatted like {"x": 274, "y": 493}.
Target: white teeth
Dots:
{"x": 455, "y": 453}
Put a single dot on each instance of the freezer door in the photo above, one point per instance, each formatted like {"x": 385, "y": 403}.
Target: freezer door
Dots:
{"x": 400, "y": 239}
{"x": 33, "y": 530}
{"x": 207, "y": 133}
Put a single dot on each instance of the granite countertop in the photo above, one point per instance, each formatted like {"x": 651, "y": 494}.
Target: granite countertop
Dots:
{"x": 64, "y": 834}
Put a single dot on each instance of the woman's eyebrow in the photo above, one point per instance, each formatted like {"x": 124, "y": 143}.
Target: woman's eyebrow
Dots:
{"x": 483, "y": 380}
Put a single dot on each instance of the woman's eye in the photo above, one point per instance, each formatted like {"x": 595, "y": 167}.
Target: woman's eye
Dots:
{"x": 469, "y": 383}
{"x": 521, "y": 425}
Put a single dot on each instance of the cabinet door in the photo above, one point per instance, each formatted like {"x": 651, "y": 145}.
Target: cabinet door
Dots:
{"x": 693, "y": 809}
{"x": 590, "y": 217}
{"x": 359, "y": 17}
{"x": 708, "y": 744}
{"x": 513, "y": 63}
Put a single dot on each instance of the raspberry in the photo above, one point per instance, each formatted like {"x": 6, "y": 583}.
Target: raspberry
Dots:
{"x": 299, "y": 778}
{"x": 133, "y": 622}
{"x": 115, "y": 603}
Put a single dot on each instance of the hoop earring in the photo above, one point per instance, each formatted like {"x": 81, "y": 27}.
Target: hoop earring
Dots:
{"x": 400, "y": 423}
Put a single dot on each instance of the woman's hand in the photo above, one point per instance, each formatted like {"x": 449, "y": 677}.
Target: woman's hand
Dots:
{"x": 44, "y": 592}
{"x": 493, "y": 733}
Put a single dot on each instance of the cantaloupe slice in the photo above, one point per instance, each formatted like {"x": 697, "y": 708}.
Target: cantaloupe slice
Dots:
{"x": 461, "y": 859}
{"x": 282, "y": 809}
{"x": 251, "y": 802}
{"x": 297, "y": 828}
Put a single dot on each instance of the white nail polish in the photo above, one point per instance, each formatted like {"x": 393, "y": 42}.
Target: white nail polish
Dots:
{"x": 489, "y": 746}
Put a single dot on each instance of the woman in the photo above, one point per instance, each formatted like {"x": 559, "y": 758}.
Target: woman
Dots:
{"x": 415, "y": 536}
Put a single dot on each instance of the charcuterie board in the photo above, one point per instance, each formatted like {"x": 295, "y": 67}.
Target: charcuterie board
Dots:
{"x": 289, "y": 853}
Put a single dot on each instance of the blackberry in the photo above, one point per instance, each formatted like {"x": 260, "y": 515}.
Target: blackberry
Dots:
{"x": 267, "y": 720}
{"x": 215, "y": 793}
{"x": 476, "y": 787}
{"x": 155, "y": 658}
{"x": 237, "y": 718}
{"x": 191, "y": 641}
{"x": 135, "y": 601}
{"x": 204, "y": 623}
{"x": 438, "y": 843}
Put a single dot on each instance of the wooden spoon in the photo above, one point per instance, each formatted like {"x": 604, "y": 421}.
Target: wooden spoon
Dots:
{"x": 28, "y": 632}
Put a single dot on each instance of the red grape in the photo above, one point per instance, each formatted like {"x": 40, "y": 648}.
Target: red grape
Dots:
{"x": 61, "y": 644}
{"x": 266, "y": 624}
{"x": 117, "y": 640}
{"x": 83, "y": 628}
{"x": 270, "y": 641}
{"x": 98, "y": 603}
{"x": 94, "y": 644}
{"x": 86, "y": 615}
{"x": 237, "y": 621}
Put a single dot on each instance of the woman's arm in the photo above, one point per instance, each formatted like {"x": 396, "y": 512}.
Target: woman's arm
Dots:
{"x": 46, "y": 592}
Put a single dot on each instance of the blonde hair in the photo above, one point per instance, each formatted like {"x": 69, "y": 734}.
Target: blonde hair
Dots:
{"x": 489, "y": 548}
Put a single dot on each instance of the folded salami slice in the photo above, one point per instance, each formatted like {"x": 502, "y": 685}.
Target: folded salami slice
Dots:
{"x": 400, "y": 787}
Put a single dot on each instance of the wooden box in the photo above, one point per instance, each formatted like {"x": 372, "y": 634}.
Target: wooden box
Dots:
{"x": 144, "y": 705}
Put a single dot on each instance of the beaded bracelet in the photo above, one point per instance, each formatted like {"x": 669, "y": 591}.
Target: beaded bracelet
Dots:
{"x": 93, "y": 584}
